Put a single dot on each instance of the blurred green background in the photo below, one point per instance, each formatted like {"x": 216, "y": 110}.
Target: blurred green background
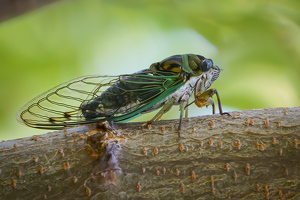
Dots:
{"x": 256, "y": 43}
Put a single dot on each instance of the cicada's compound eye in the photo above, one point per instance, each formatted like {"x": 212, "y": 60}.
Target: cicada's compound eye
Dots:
{"x": 206, "y": 65}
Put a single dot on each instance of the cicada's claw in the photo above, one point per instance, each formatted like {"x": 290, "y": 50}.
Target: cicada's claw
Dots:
{"x": 226, "y": 113}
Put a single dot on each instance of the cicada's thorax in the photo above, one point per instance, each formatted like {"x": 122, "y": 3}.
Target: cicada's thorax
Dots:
{"x": 188, "y": 63}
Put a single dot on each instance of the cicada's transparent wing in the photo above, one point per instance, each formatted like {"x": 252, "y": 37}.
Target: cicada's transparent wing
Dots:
{"x": 61, "y": 106}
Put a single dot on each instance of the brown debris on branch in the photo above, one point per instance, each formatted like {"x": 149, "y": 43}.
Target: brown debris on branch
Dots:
{"x": 253, "y": 154}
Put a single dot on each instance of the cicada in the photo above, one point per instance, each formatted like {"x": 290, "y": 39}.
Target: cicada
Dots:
{"x": 90, "y": 99}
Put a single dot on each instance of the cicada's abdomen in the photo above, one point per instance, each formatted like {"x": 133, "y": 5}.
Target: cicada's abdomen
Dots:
{"x": 123, "y": 96}
{"x": 106, "y": 104}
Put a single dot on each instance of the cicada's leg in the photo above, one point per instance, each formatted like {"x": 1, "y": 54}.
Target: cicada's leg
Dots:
{"x": 212, "y": 103}
{"x": 182, "y": 108}
{"x": 162, "y": 111}
{"x": 204, "y": 100}
{"x": 186, "y": 109}
{"x": 199, "y": 88}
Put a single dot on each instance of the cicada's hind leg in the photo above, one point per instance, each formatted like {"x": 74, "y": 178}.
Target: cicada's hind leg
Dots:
{"x": 162, "y": 111}
{"x": 182, "y": 109}
{"x": 204, "y": 99}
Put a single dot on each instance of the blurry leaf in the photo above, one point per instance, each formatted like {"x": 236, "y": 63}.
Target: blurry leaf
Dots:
{"x": 256, "y": 44}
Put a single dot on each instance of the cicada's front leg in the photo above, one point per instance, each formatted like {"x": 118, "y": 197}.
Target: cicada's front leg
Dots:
{"x": 204, "y": 99}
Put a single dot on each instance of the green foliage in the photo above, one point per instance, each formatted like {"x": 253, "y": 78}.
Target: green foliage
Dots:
{"x": 256, "y": 43}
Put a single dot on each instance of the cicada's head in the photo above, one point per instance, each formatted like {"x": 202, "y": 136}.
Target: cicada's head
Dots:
{"x": 197, "y": 65}
{"x": 193, "y": 64}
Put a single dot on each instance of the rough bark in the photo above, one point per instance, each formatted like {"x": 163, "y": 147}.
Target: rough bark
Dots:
{"x": 252, "y": 155}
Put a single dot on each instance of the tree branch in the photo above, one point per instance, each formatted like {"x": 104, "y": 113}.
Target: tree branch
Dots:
{"x": 253, "y": 154}
{"x": 12, "y": 8}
